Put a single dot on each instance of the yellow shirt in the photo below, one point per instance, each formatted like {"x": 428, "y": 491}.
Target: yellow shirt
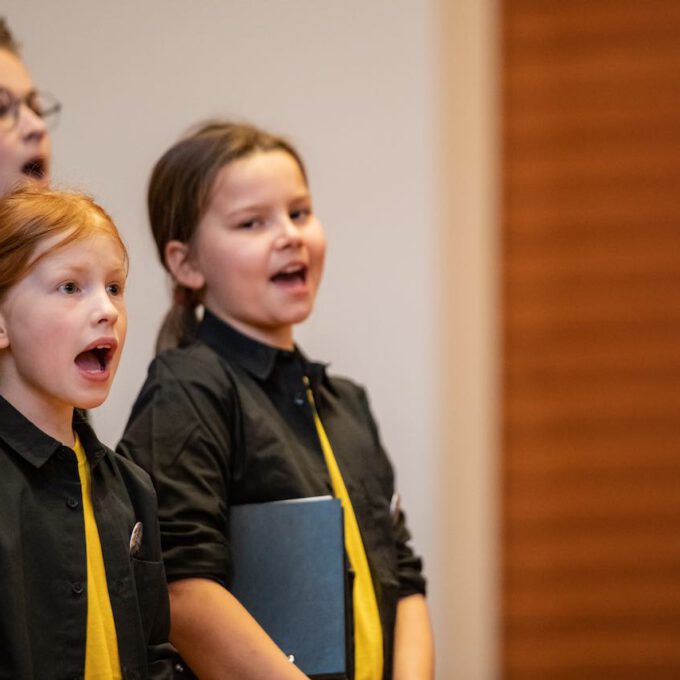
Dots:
{"x": 101, "y": 650}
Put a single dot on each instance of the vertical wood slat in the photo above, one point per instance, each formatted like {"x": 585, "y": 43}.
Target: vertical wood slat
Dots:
{"x": 591, "y": 347}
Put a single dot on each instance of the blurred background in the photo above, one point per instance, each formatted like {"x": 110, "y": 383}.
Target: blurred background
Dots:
{"x": 500, "y": 184}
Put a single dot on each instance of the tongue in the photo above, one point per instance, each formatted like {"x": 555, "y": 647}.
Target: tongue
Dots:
{"x": 88, "y": 361}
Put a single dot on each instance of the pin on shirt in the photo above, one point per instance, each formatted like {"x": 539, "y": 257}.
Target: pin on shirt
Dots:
{"x": 136, "y": 539}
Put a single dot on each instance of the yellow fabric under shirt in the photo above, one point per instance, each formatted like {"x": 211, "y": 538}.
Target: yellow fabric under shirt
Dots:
{"x": 368, "y": 642}
{"x": 101, "y": 648}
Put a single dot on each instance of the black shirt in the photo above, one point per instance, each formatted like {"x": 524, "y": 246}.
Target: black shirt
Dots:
{"x": 225, "y": 420}
{"x": 43, "y": 567}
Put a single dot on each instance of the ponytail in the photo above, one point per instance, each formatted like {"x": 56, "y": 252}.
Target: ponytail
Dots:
{"x": 180, "y": 323}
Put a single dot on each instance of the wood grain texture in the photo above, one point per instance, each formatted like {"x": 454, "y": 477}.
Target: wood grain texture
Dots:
{"x": 591, "y": 344}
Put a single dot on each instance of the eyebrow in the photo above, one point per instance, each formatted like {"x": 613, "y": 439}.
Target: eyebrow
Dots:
{"x": 300, "y": 198}
{"x": 80, "y": 268}
{"x": 14, "y": 95}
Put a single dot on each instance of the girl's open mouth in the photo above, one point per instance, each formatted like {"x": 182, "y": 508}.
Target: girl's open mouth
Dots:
{"x": 35, "y": 168}
{"x": 294, "y": 275}
{"x": 96, "y": 359}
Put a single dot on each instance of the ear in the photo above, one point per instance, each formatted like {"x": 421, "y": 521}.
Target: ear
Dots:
{"x": 182, "y": 266}
{"x": 4, "y": 336}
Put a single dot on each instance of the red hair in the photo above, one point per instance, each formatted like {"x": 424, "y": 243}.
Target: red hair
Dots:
{"x": 29, "y": 216}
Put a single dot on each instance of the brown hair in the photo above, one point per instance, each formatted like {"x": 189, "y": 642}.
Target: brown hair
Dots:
{"x": 7, "y": 41}
{"x": 179, "y": 194}
{"x": 29, "y": 216}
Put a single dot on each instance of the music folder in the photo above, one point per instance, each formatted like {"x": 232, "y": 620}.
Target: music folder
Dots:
{"x": 289, "y": 572}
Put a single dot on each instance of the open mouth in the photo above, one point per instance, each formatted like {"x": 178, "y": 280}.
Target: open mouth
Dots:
{"x": 297, "y": 274}
{"x": 96, "y": 359}
{"x": 35, "y": 168}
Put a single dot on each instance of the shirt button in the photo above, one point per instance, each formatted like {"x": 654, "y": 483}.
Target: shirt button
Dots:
{"x": 77, "y": 587}
{"x": 72, "y": 502}
{"x": 299, "y": 399}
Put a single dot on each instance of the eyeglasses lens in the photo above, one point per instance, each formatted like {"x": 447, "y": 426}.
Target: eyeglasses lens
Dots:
{"x": 42, "y": 104}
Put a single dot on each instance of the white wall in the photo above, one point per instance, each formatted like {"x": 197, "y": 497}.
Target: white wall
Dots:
{"x": 353, "y": 84}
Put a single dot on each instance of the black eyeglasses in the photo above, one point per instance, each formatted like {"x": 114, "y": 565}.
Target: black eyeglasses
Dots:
{"x": 43, "y": 104}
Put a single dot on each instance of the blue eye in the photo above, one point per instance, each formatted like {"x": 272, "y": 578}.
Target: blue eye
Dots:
{"x": 115, "y": 289}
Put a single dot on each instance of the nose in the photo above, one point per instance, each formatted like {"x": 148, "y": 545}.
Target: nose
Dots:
{"x": 105, "y": 312}
{"x": 31, "y": 125}
{"x": 289, "y": 235}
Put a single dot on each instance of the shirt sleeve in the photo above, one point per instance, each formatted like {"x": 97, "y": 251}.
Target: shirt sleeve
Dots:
{"x": 179, "y": 432}
{"x": 409, "y": 564}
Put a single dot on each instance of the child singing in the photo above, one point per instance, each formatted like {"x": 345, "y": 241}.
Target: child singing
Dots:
{"x": 26, "y": 114}
{"x": 82, "y": 588}
{"x": 238, "y": 414}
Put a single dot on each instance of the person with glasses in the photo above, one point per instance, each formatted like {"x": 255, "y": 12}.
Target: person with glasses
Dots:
{"x": 26, "y": 115}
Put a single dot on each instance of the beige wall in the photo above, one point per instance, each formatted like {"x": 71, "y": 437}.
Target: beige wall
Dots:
{"x": 467, "y": 179}
{"x": 400, "y": 176}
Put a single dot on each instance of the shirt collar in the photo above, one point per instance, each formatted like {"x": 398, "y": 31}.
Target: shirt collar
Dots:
{"x": 255, "y": 357}
{"x": 36, "y": 446}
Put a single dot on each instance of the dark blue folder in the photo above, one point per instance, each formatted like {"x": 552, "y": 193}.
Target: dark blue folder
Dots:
{"x": 289, "y": 572}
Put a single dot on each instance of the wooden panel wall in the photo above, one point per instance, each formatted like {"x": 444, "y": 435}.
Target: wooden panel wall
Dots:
{"x": 591, "y": 319}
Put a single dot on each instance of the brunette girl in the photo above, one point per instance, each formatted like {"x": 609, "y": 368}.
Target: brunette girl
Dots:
{"x": 238, "y": 414}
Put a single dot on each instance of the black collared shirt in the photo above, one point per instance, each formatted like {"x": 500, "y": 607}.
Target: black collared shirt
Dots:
{"x": 225, "y": 420}
{"x": 43, "y": 567}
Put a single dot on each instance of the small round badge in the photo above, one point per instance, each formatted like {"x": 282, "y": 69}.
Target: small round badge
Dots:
{"x": 136, "y": 539}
